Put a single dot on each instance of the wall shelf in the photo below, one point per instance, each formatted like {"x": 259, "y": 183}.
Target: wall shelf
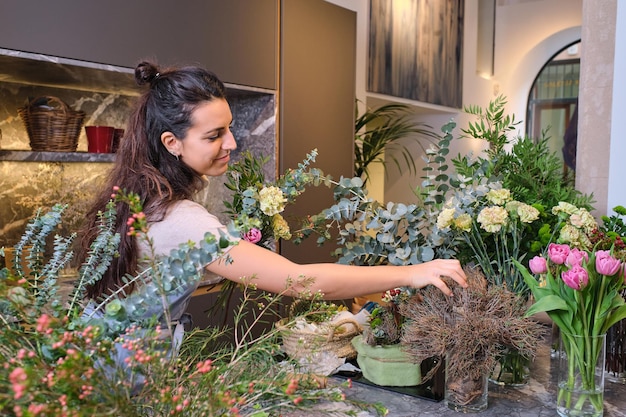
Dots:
{"x": 43, "y": 70}
{"x": 417, "y": 107}
{"x": 34, "y": 156}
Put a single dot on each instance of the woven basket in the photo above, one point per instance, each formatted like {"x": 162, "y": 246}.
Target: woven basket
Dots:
{"x": 300, "y": 343}
{"x": 51, "y": 124}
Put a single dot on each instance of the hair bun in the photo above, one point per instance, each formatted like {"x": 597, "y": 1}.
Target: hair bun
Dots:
{"x": 146, "y": 73}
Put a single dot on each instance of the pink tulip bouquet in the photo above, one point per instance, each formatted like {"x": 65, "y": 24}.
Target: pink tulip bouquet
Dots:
{"x": 580, "y": 291}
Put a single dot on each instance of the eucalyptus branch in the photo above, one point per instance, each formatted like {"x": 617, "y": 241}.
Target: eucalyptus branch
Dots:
{"x": 50, "y": 271}
{"x": 61, "y": 255}
{"x": 434, "y": 184}
{"x": 120, "y": 292}
{"x": 101, "y": 252}
{"x": 35, "y": 236}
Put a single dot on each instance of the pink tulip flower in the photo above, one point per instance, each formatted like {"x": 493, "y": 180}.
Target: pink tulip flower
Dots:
{"x": 558, "y": 253}
{"x": 576, "y": 278}
{"x": 606, "y": 264}
{"x": 538, "y": 265}
{"x": 576, "y": 257}
{"x": 253, "y": 236}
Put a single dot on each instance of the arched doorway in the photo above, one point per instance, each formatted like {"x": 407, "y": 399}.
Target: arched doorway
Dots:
{"x": 552, "y": 104}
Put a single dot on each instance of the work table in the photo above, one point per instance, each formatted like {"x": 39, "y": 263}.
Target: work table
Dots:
{"x": 537, "y": 398}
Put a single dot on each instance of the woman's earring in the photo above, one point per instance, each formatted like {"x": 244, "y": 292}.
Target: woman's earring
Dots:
{"x": 175, "y": 155}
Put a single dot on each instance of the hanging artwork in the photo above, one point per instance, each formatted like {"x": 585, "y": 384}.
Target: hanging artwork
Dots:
{"x": 416, "y": 50}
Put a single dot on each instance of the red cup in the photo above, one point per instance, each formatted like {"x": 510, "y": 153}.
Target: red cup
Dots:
{"x": 99, "y": 138}
{"x": 119, "y": 133}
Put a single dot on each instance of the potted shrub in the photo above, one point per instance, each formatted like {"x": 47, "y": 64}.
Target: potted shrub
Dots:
{"x": 383, "y": 129}
{"x": 380, "y": 356}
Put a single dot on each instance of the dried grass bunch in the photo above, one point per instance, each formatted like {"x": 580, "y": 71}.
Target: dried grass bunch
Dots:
{"x": 471, "y": 328}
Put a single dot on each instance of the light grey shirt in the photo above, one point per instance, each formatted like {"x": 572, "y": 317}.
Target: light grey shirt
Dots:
{"x": 184, "y": 221}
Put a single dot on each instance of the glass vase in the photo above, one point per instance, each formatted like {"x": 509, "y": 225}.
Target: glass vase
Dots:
{"x": 512, "y": 369}
{"x": 464, "y": 392}
{"x": 580, "y": 388}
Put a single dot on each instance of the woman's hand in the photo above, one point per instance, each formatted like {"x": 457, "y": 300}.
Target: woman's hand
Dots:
{"x": 430, "y": 273}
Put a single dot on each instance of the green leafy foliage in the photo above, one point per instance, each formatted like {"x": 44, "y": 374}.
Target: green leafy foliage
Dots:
{"x": 492, "y": 126}
{"x": 313, "y": 309}
{"x": 527, "y": 167}
{"x": 614, "y": 224}
{"x": 532, "y": 172}
{"x": 369, "y": 233}
{"x": 62, "y": 361}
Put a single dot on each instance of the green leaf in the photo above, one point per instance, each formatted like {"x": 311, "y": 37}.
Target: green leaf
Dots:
{"x": 615, "y": 317}
{"x": 547, "y": 304}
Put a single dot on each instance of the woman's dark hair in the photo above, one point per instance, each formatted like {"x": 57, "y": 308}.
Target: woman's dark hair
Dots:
{"x": 144, "y": 166}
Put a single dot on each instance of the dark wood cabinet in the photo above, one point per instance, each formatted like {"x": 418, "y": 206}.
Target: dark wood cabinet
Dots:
{"x": 237, "y": 39}
{"x": 317, "y": 99}
{"x": 304, "y": 51}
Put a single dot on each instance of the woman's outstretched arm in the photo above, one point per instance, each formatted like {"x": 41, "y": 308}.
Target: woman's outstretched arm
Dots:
{"x": 271, "y": 272}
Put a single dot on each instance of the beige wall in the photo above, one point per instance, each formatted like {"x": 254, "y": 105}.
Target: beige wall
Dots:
{"x": 617, "y": 167}
{"x": 595, "y": 98}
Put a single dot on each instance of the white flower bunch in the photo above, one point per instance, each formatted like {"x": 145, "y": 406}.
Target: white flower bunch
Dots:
{"x": 271, "y": 200}
{"x": 493, "y": 226}
{"x": 491, "y": 218}
{"x": 579, "y": 224}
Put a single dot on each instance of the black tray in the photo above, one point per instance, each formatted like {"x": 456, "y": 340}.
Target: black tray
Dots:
{"x": 432, "y": 390}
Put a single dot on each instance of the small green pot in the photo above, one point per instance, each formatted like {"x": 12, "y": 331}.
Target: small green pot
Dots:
{"x": 386, "y": 365}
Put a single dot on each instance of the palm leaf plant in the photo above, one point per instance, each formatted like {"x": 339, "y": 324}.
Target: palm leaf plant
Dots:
{"x": 383, "y": 129}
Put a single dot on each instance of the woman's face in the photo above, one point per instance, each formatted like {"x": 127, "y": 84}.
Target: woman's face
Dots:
{"x": 207, "y": 145}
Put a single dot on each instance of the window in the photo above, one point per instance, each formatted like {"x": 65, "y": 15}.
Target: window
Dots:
{"x": 552, "y": 104}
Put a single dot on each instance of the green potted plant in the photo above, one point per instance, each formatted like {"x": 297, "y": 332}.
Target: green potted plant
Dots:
{"x": 380, "y": 356}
